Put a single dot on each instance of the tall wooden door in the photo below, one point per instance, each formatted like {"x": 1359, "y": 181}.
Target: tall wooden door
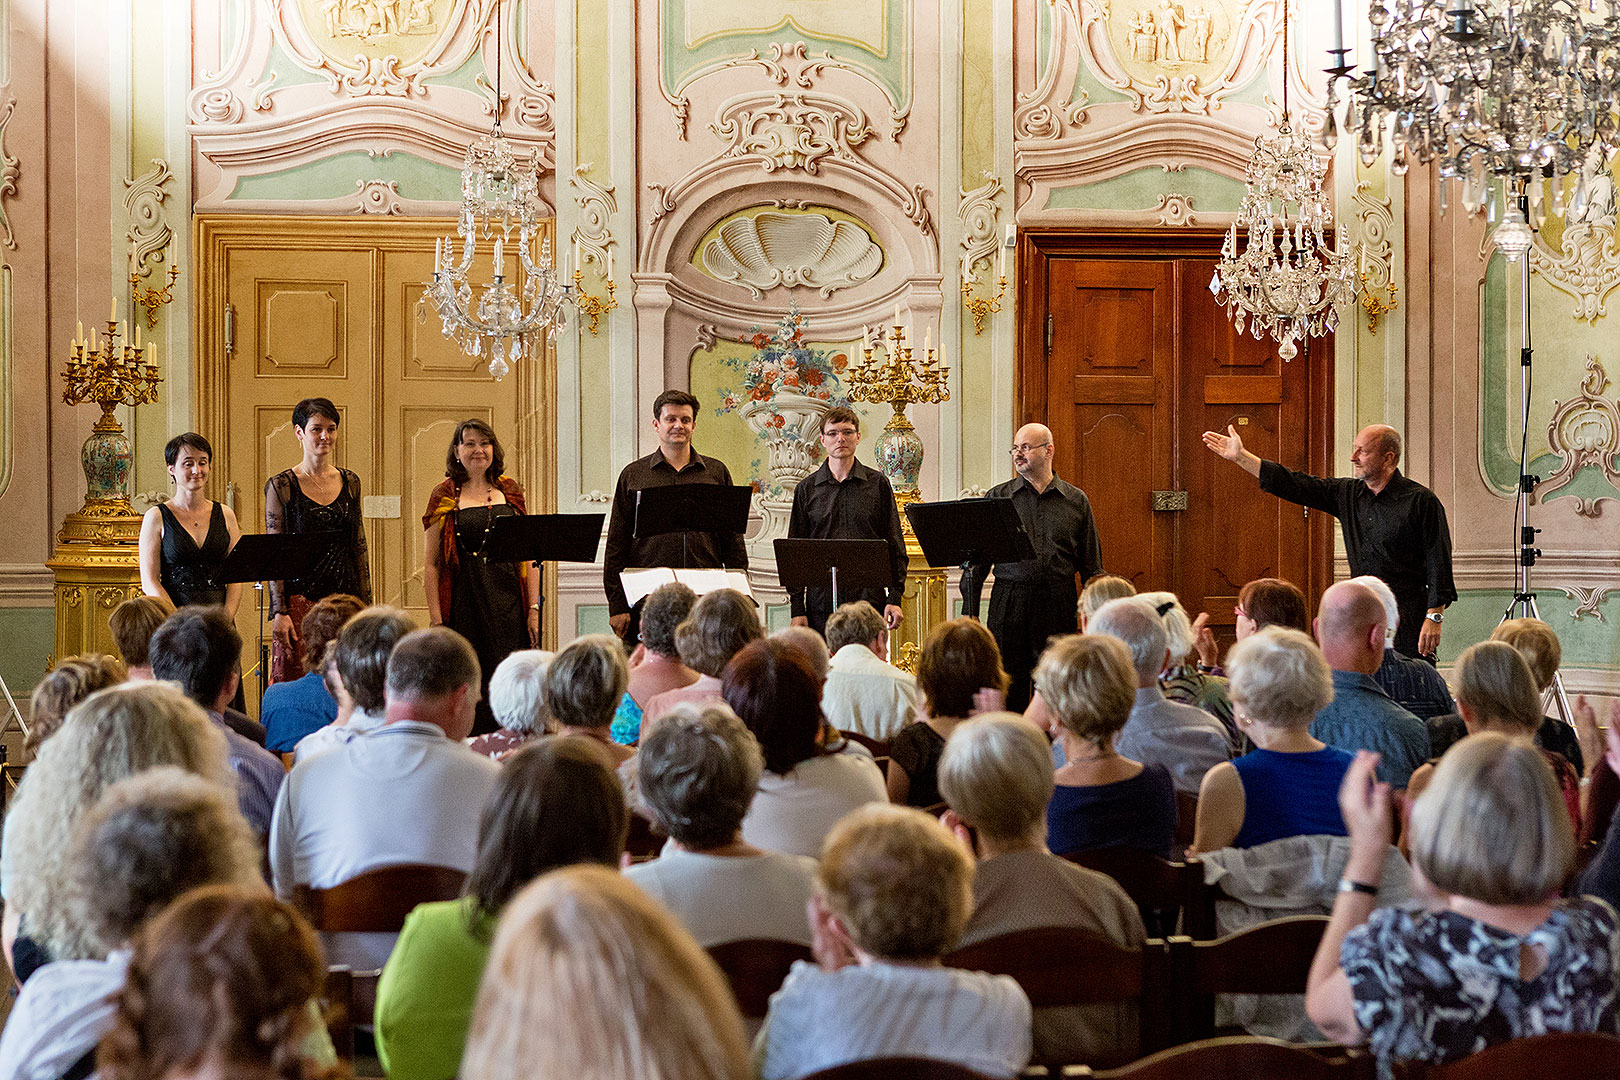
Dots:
{"x": 1136, "y": 362}
{"x": 290, "y": 308}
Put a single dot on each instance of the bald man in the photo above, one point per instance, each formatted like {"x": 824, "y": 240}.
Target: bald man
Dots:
{"x": 1037, "y": 598}
{"x": 1350, "y": 628}
{"x": 1394, "y": 528}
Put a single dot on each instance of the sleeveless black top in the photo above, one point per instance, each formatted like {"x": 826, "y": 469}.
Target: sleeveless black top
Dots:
{"x": 185, "y": 569}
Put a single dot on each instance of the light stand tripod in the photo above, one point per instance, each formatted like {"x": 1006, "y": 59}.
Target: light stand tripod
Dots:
{"x": 1523, "y": 605}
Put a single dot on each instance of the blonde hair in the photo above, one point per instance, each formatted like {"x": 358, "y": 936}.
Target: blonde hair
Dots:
{"x": 1178, "y": 629}
{"x": 996, "y": 773}
{"x": 590, "y": 979}
{"x": 73, "y": 679}
{"x": 1279, "y": 677}
{"x": 1089, "y": 683}
{"x": 113, "y": 734}
{"x": 1538, "y": 643}
{"x": 1492, "y": 825}
{"x": 1101, "y": 589}
{"x": 1495, "y": 683}
{"x": 898, "y": 881}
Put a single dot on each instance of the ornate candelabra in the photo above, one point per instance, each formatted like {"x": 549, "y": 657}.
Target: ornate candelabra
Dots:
{"x": 982, "y": 307}
{"x": 899, "y": 379}
{"x": 593, "y": 307}
{"x": 1374, "y": 306}
{"x": 110, "y": 375}
{"x": 152, "y": 299}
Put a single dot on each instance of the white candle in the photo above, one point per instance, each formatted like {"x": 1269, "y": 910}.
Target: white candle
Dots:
{"x": 498, "y": 255}
{"x": 1338, "y": 29}
{"x": 78, "y": 333}
{"x": 1001, "y": 266}
{"x": 137, "y": 333}
{"x": 610, "y": 262}
{"x": 152, "y": 355}
{"x": 897, "y": 314}
{"x": 928, "y": 338}
{"x": 866, "y": 336}
{"x": 112, "y": 318}
{"x": 579, "y": 264}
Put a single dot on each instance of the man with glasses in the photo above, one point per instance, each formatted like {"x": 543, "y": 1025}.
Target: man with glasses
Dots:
{"x": 845, "y": 500}
{"x": 1037, "y": 598}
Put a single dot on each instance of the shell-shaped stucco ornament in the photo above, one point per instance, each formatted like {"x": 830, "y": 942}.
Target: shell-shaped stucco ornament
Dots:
{"x": 794, "y": 251}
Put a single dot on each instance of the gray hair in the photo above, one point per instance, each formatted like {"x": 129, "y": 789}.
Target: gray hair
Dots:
{"x": 697, "y": 771}
{"x": 1178, "y": 629}
{"x": 1392, "y": 610}
{"x": 1279, "y": 677}
{"x": 858, "y": 623}
{"x": 517, "y": 690}
{"x": 1134, "y": 621}
{"x": 809, "y": 643}
{"x": 996, "y": 772}
{"x": 586, "y": 680}
{"x": 666, "y": 608}
{"x": 431, "y": 664}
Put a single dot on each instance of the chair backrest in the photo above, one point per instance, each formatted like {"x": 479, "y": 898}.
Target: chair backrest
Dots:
{"x": 1270, "y": 958}
{"x": 1186, "y": 818}
{"x": 897, "y": 1068}
{"x": 879, "y": 747}
{"x": 377, "y": 900}
{"x": 1564, "y": 1056}
{"x": 349, "y": 998}
{"x": 755, "y": 967}
{"x": 644, "y": 840}
{"x": 1244, "y": 1057}
{"x": 1162, "y": 889}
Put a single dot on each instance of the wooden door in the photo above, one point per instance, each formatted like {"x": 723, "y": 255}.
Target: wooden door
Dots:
{"x": 290, "y": 308}
{"x": 1136, "y": 362}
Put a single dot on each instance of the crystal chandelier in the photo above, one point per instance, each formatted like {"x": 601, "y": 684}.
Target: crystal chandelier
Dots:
{"x": 500, "y": 195}
{"x": 1287, "y": 281}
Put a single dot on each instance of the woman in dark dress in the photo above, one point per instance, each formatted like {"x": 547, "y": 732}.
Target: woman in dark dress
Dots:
{"x": 184, "y": 540}
{"x": 314, "y": 496}
{"x": 494, "y": 605}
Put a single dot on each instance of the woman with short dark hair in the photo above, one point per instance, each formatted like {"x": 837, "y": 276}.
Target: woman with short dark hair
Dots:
{"x": 959, "y": 658}
{"x": 186, "y": 538}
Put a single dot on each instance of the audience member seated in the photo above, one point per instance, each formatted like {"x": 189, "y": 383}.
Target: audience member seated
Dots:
{"x": 588, "y": 977}
{"x": 113, "y": 734}
{"x": 147, "y": 840}
{"x": 1181, "y": 680}
{"x": 583, "y": 687}
{"x": 359, "y": 657}
{"x": 1098, "y": 591}
{"x": 557, "y": 803}
{"x": 408, "y": 792}
{"x": 1602, "y": 877}
{"x": 1261, "y": 603}
{"x": 1102, "y": 798}
{"x": 1496, "y": 692}
{"x": 656, "y": 665}
{"x": 721, "y": 623}
{"x": 1184, "y": 739}
{"x": 73, "y": 679}
{"x": 864, "y": 692}
{"x": 1414, "y": 685}
{"x": 222, "y": 984}
{"x": 812, "y": 645}
{"x": 996, "y": 776}
{"x": 132, "y": 624}
{"x": 1539, "y": 645}
{"x": 893, "y": 892}
{"x": 1350, "y": 628}
{"x": 698, "y": 773}
{"x": 199, "y": 648}
{"x": 959, "y": 659}
{"x": 1288, "y": 785}
{"x": 1497, "y": 955}
{"x": 291, "y": 710}
{"x": 517, "y": 700}
{"x": 805, "y": 787}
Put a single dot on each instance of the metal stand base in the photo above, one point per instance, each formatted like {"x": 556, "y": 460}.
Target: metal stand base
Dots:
{"x": 1523, "y": 606}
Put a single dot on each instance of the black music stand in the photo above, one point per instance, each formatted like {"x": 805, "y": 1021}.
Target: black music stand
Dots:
{"x": 847, "y": 564}
{"x": 262, "y": 557}
{"x": 968, "y": 532}
{"x": 687, "y": 508}
{"x": 545, "y": 538}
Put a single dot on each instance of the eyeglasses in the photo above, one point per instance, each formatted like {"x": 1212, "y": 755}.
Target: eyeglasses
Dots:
{"x": 1027, "y": 447}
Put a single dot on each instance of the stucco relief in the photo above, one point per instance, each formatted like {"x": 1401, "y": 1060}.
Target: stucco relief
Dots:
{"x": 10, "y": 173}
{"x": 596, "y": 209}
{"x": 1377, "y": 218}
{"x": 144, "y": 196}
{"x": 1176, "y": 55}
{"x": 767, "y": 250}
{"x": 1584, "y": 432}
{"x": 1582, "y": 261}
{"x": 977, "y": 214}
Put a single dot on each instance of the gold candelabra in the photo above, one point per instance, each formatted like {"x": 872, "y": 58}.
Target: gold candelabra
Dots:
{"x": 982, "y": 307}
{"x": 152, "y": 299}
{"x": 110, "y": 375}
{"x": 1373, "y": 305}
{"x": 593, "y": 307}
{"x": 899, "y": 379}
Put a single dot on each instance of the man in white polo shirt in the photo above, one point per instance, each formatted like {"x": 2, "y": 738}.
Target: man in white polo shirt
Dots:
{"x": 865, "y": 693}
{"x": 408, "y": 792}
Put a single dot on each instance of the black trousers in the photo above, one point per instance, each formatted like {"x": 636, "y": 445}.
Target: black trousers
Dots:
{"x": 1412, "y": 609}
{"x": 1023, "y": 615}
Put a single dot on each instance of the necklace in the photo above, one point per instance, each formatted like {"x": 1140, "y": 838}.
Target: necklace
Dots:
{"x": 489, "y": 523}
{"x": 1094, "y": 758}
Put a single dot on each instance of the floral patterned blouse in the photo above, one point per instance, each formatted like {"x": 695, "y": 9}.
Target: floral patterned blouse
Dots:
{"x": 1437, "y": 986}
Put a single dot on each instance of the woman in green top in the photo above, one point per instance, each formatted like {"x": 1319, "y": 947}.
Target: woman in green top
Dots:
{"x": 557, "y": 803}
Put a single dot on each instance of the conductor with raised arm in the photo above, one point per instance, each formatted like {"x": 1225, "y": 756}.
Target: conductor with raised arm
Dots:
{"x": 1034, "y": 599}
{"x": 1394, "y": 527}
{"x": 674, "y": 462}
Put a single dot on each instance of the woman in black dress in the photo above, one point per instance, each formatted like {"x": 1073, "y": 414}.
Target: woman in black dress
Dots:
{"x": 314, "y": 496}
{"x": 183, "y": 541}
{"x": 496, "y": 606}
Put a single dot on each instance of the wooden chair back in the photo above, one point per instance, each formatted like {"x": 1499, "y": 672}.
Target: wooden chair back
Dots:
{"x": 1165, "y": 891}
{"x": 1186, "y": 819}
{"x": 1271, "y": 958}
{"x": 1564, "y": 1056}
{"x": 349, "y": 998}
{"x": 644, "y": 840}
{"x": 755, "y": 968}
{"x": 377, "y": 900}
{"x": 898, "y": 1068}
{"x": 1244, "y": 1057}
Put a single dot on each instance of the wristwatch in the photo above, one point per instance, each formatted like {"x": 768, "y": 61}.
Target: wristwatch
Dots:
{"x": 1434, "y": 616}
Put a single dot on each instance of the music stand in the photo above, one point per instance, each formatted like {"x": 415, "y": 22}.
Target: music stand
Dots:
{"x": 262, "y": 557}
{"x": 850, "y": 564}
{"x": 968, "y": 532}
{"x": 545, "y": 538}
{"x": 687, "y": 508}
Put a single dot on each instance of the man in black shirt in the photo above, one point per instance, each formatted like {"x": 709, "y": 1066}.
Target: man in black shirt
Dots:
{"x": 845, "y": 500}
{"x": 674, "y": 462}
{"x": 1394, "y": 527}
{"x": 1035, "y": 599}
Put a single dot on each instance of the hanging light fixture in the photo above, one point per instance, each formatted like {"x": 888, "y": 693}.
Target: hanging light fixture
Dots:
{"x": 1288, "y": 280}
{"x": 500, "y": 193}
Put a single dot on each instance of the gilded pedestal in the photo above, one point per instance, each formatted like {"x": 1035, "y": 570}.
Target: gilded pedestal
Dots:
{"x": 96, "y": 568}
{"x": 926, "y": 604}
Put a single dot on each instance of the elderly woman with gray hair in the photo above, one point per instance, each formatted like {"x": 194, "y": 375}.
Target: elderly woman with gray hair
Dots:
{"x": 517, "y": 698}
{"x": 1181, "y": 680}
{"x": 583, "y": 685}
{"x": 698, "y": 771}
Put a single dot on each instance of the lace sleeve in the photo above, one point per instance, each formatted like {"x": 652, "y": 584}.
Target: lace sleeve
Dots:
{"x": 277, "y": 494}
{"x": 362, "y": 561}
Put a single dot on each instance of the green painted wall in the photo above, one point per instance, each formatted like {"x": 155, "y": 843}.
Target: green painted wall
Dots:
{"x": 1141, "y": 189}
{"x": 335, "y": 178}
{"x": 27, "y": 636}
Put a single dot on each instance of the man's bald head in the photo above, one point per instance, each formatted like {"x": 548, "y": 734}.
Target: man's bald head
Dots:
{"x": 1375, "y": 454}
{"x": 1350, "y": 627}
{"x": 1032, "y": 453}
{"x": 1033, "y": 433}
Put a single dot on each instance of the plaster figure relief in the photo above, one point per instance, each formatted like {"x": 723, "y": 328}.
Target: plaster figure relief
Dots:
{"x": 370, "y": 20}
{"x": 1169, "y": 21}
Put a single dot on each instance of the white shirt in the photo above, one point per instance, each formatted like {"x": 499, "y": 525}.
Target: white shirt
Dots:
{"x": 794, "y": 813}
{"x": 401, "y": 794}
{"x": 868, "y": 695}
{"x": 824, "y": 1018}
{"x": 722, "y": 898}
{"x": 60, "y": 1015}
{"x": 335, "y": 735}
